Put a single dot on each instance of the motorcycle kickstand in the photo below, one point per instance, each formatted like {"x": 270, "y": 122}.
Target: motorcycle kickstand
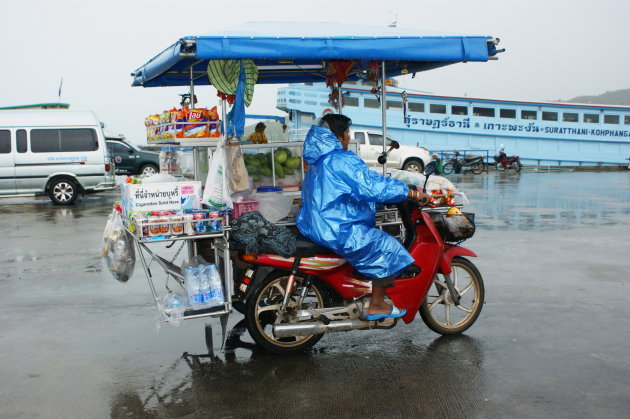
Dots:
{"x": 451, "y": 288}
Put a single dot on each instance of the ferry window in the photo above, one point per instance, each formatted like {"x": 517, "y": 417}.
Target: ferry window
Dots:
{"x": 360, "y": 137}
{"x": 488, "y": 112}
{"x": 435, "y": 108}
{"x": 626, "y": 120}
{"x": 5, "y": 141}
{"x": 459, "y": 110}
{"x": 371, "y": 103}
{"x": 21, "y": 141}
{"x": 550, "y": 116}
{"x": 394, "y": 104}
{"x": 529, "y": 115}
{"x": 350, "y": 101}
{"x": 308, "y": 83}
{"x": 507, "y": 113}
{"x": 61, "y": 140}
{"x": 591, "y": 118}
{"x": 375, "y": 139}
{"x": 416, "y": 107}
{"x": 569, "y": 117}
{"x": 611, "y": 119}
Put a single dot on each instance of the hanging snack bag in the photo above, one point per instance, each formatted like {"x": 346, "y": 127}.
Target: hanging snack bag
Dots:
{"x": 179, "y": 116}
{"x": 152, "y": 133}
{"x": 213, "y": 129}
{"x": 196, "y": 126}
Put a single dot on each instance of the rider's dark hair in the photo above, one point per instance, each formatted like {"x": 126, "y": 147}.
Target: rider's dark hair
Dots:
{"x": 337, "y": 123}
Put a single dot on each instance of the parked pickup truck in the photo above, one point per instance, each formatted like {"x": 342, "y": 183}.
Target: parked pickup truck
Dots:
{"x": 370, "y": 145}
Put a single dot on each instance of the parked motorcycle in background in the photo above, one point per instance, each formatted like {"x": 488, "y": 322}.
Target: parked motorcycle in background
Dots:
{"x": 503, "y": 161}
{"x": 459, "y": 164}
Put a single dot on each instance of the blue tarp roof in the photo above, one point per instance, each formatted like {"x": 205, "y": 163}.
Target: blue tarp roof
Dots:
{"x": 287, "y": 52}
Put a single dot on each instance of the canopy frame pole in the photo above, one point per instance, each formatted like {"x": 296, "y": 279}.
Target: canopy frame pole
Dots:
{"x": 384, "y": 112}
{"x": 339, "y": 99}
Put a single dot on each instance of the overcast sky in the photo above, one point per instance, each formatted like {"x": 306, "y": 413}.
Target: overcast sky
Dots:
{"x": 556, "y": 49}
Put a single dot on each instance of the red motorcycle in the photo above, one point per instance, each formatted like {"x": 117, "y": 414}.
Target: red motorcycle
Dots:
{"x": 503, "y": 161}
{"x": 289, "y": 303}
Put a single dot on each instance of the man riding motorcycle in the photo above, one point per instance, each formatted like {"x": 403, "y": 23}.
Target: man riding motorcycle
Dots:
{"x": 338, "y": 210}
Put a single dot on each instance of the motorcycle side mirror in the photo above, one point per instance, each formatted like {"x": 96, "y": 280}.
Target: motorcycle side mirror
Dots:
{"x": 430, "y": 168}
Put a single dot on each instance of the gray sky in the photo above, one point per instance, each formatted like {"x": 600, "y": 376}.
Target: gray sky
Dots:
{"x": 556, "y": 49}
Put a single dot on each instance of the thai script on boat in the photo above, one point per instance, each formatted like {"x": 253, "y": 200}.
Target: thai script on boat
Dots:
{"x": 445, "y": 123}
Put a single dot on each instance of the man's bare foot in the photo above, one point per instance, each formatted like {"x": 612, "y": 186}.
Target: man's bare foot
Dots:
{"x": 381, "y": 308}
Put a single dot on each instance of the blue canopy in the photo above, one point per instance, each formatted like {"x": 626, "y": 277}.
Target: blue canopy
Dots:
{"x": 293, "y": 52}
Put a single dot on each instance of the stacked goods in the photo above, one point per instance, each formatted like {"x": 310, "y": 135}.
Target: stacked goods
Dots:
{"x": 183, "y": 123}
{"x": 259, "y": 165}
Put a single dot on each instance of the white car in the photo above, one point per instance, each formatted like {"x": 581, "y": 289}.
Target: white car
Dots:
{"x": 370, "y": 147}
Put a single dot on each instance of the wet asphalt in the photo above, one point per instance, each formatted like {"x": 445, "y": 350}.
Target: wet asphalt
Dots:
{"x": 552, "y": 340}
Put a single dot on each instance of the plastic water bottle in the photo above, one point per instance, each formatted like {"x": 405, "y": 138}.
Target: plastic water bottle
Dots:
{"x": 192, "y": 285}
{"x": 204, "y": 287}
{"x": 216, "y": 285}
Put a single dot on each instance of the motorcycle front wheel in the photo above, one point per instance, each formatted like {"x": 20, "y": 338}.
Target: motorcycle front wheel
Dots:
{"x": 261, "y": 311}
{"x": 439, "y": 312}
{"x": 448, "y": 168}
{"x": 516, "y": 166}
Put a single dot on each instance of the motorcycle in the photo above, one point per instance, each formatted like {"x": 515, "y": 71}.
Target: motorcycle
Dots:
{"x": 289, "y": 303}
{"x": 504, "y": 161}
{"x": 463, "y": 164}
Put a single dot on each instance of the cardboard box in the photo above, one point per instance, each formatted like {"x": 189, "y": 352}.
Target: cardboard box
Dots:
{"x": 167, "y": 196}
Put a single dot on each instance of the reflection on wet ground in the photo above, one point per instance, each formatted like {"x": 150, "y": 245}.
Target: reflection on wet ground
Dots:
{"x": 550, "y": 340}
{"x": 538, "y": 201}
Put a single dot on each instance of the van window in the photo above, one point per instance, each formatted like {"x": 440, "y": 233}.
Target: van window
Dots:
{"x": 21, "y": 141}
{"x": 63, "y": 140}
{"x": 5, "y": 141}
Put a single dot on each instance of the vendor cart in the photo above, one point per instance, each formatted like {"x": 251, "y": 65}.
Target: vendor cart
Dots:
{"x": 283, "y": 53}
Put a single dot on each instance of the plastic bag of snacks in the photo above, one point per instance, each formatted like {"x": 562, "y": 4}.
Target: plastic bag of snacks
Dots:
{"x": 117, "y": 248}
{"x": 197, "y": 126}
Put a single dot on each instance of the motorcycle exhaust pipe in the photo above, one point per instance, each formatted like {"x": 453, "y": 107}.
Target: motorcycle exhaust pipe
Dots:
{"x": 306, "y": 329}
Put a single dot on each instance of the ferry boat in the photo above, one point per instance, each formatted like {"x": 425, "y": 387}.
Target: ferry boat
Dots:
{"x": 541, "y": 133}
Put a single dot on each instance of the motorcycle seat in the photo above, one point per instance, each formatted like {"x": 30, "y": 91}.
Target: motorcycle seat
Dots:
{"x": 308, "y": 248}
{"x": 472, "y": 158}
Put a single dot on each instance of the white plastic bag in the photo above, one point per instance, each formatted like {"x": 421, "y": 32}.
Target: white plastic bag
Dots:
{"x": 217, "y": 191}
{"x": 237, "y": 172}
{"x": 117, "y": 248}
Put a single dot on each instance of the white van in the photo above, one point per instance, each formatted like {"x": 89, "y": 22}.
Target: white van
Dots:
{"x": 58, "y": 152}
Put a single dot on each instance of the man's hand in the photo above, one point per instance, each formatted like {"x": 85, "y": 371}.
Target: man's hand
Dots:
{"x": 419, "y": 197}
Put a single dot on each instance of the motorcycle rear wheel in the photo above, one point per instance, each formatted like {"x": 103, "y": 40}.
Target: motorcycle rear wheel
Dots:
{"x": 499, "y": 167}
{"x": 439, "y": 312}
{"x": 262, "y": 306}
{"x": 477, "y": 168}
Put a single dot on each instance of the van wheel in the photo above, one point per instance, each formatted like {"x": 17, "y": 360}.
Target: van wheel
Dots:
{"x": 63, "y": 191}
{"x": 413, "y": 165}
{"x": 148, "y": 170}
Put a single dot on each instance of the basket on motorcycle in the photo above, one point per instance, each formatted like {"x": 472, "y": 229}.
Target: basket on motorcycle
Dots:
{"x": 454, "y": 227}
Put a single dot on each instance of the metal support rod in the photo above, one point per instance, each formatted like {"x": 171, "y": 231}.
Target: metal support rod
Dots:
{"x": 384, "y": 112}
{"x": 339, "y": 100}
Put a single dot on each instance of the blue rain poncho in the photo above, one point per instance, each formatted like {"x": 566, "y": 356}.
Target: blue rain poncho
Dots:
{"x": 338, "y": 206}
